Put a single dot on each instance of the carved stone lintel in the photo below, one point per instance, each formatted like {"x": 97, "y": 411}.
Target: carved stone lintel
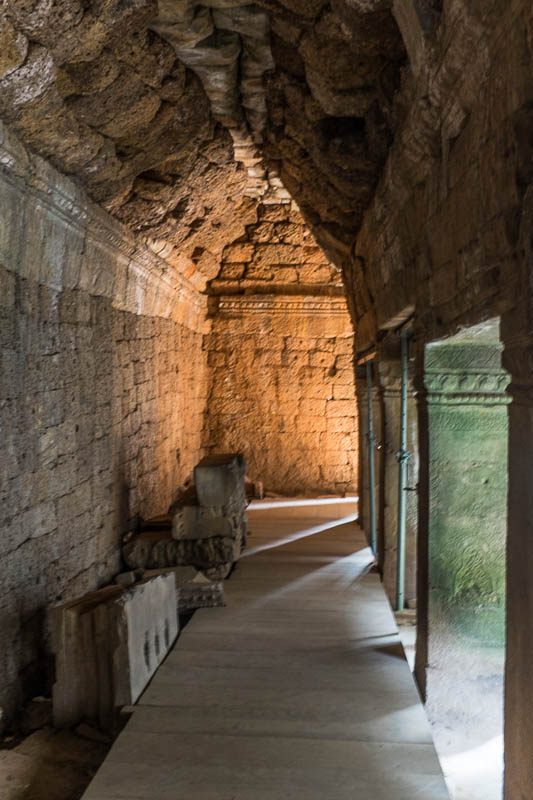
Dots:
{"x": 518, "y": 361}
{"x": 460, "y": 387}
{"x": 465, "y": 374}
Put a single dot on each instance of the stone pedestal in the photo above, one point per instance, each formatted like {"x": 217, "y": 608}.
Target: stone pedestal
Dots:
{"x": 206, "y": 527}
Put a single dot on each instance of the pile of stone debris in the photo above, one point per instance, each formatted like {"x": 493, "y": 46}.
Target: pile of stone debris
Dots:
{"x": 206, "y": 525}
{"x": 108, "y": 643}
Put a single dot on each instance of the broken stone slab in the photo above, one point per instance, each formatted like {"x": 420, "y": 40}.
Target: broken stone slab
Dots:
{"x": 145, "y": 627}
{"x": 107, "y": 646}
{"x": 219, "y": 480}
{"x": 72, "y": 691}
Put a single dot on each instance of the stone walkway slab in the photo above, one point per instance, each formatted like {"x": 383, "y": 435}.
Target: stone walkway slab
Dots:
{"x": 297, "y": 690}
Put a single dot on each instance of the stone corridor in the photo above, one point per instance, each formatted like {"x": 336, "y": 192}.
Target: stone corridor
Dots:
{"x": 293, "y": 240}
{"x": 298, "y": 688}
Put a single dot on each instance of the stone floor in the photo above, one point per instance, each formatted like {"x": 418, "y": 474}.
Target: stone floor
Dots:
{"x": 297, "y": 689}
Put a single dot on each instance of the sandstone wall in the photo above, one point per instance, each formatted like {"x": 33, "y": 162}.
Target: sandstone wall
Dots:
{"x": 102, "y": 397}
{"x": 282, "y": 390}
{"x": 277, "y": 252}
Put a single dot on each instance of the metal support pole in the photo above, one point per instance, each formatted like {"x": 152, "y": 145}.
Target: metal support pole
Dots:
{"x": 371, "y": 473}
{"x": 403, "y": 457}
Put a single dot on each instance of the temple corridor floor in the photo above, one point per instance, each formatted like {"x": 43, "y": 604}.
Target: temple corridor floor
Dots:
{"x": 297, "y": 689}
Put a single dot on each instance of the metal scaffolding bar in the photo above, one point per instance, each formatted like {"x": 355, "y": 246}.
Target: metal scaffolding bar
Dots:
{"x": 403, "y": 457}
{"x": 371, "y": 470}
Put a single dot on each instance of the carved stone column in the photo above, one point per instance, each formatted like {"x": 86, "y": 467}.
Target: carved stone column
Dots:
{"x": 363, "y": 482}
{"x": 390, "y": 380}
{"x": 464, "y": 512}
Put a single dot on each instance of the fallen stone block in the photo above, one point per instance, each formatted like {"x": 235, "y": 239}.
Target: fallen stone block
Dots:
{"x": 192, "y": 523}
{"x": 219, "y": 480}
{"x": 108, "y": 645}
{"x": 155, "y": 549}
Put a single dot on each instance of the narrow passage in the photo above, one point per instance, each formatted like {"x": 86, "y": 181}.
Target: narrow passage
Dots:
{"x": 297, "y": 689}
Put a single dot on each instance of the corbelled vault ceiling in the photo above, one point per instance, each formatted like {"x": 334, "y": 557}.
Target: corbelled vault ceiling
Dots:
{"x": 181, "y": 117}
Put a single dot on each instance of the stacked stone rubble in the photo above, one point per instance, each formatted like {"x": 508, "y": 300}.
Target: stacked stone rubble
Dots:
{"x": 205, "y": 529}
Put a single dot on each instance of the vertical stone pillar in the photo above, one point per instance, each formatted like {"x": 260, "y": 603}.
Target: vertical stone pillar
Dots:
{"x": 467, "y": 439}
{"x": 390, "y": 373}
{"x": 363, "y": 482}
{"x": 518, "y": 360}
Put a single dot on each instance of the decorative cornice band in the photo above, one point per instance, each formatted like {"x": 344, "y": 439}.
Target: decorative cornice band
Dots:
{"x": 271, "y": 304}
{"x": 149, "y": 286}
{"x": 486, "y": 387}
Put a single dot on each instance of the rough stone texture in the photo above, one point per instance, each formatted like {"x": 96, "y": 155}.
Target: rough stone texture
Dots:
{"x": 206, "y": 527}
{"x": 442, "y": 231}
{"x": 104, "y": 98}
{"x": 468, "y": 433}
{"x": 101, "y": 362}
{"x": 163, "y": 110}
{"x": 276, "y": 253}
{"x": 332, "y": 110}
{"x": 282, "y": 374}
{"x": 157, "y": 549}
{"x": 193, "y": 589}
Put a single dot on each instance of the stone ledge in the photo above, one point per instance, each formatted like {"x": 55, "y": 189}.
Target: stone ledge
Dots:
{"x": 282, "y": 304}
{"x": 122, "y": 268}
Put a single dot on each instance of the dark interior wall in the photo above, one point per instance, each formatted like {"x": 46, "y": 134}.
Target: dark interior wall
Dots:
{"x": 364, "y": 454}
{"x": 448, "y": 238}
{"x": 442, "y": 233}
{"x": 102, "y": 396}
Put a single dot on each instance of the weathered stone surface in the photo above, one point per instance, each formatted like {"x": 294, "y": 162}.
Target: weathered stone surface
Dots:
{"x": 192, "y": 522}
{"x": 219, "y": 480}
{"x": 124, "y": 95}
{"x": 294, "y": 359}
{"x": 107, "y": 646}
{"x": 100, "y": 366}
